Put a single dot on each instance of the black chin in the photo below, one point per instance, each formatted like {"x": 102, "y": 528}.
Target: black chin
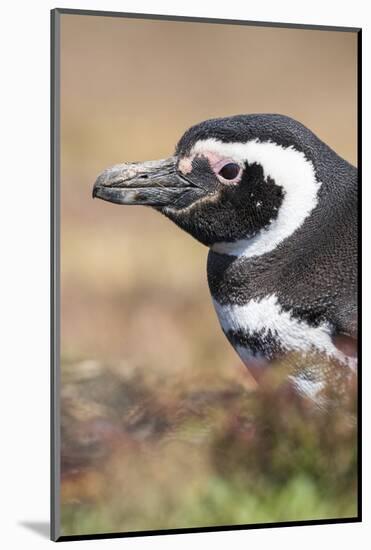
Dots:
{"x": 189, "y": 197}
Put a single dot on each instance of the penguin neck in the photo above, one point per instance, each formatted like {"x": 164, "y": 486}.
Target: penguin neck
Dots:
{"x": 232, "y": 278}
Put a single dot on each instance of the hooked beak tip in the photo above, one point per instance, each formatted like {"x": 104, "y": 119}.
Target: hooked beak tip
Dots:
{"x": 150, "y": 183}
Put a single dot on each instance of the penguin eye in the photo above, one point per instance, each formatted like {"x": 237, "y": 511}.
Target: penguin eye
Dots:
{"x": 230, "y": 171}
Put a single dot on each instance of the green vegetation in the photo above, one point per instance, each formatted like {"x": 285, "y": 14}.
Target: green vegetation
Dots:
{"x": 141, "y": 451}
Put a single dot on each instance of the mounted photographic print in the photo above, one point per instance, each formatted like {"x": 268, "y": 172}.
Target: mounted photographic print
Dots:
{"x": 205, "y": 273}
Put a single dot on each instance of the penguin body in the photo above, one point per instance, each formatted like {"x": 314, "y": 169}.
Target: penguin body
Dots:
{"x": 310, "y": 277}
{"x": 277, "y": 208}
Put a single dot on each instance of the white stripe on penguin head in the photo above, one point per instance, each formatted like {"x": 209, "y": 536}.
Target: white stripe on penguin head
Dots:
{"x": 289, "y": 169}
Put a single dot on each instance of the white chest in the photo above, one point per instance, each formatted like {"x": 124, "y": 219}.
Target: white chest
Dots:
{"x": 265, "y": 319}
{"x": 266, "y": 316}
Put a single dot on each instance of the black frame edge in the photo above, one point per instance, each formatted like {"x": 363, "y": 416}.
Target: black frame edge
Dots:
{"x": 225, "y": 528}
{"x": 359, "y": 319}
{"x": 212, "y": 20}
{"x": 54, "y": 275}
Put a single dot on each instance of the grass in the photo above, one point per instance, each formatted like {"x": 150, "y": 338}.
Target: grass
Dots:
{"x": 143, "y": 451}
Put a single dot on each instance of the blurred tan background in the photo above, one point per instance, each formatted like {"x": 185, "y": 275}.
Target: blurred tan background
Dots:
{"x": 132, "y": 283}
{"x": 134, "y": 289}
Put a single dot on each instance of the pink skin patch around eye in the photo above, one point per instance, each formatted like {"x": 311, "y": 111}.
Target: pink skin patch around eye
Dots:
{"x": 216, "y": 162}
{"x": 185, "y": 165}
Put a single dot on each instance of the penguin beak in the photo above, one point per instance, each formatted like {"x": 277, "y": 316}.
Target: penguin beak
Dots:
{"x": 151, "y": 183}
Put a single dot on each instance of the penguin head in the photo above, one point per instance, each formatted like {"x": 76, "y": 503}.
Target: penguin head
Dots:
{"x": 231, "y": 182}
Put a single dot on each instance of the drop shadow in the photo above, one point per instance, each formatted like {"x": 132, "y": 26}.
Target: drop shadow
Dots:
{"x": 42, "y": 528}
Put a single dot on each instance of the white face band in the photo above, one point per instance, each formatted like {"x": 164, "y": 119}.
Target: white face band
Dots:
{"x": 289, "y": 169}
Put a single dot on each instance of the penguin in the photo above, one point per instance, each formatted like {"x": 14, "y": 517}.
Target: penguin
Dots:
{"x": 277, "y": 208}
